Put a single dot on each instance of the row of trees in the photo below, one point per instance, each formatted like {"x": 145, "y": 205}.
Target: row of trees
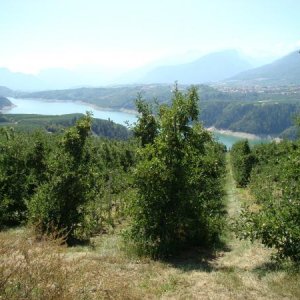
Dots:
{"x": 71, "y": 182}
{"x": 168, "y": 182}
{"x": 272, "y": 172}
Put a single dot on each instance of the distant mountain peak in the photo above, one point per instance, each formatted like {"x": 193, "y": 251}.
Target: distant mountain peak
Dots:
{"x": 208, "y": 68}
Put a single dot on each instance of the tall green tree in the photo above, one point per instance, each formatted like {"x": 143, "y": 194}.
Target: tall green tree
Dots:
{"x": 242, "y": 162}
{"x": 178, "y": 179}
{"x": 57, "y": 204}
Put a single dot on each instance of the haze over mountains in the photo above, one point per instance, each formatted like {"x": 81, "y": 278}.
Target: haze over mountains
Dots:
{"x": 19, "y": 81}
{"x": 209, "y": 68}
{"x": 226, "y": 66}
{"x": 283, "y": 71}
{"x": 56, "y": 78}
{"x": 5, "y": 92}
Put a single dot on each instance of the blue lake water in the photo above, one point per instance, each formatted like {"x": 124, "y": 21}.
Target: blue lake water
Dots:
{"x": 48, "y": 107}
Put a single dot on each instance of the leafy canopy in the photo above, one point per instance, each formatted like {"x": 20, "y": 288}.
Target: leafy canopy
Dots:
{"x": 178, "y": 179}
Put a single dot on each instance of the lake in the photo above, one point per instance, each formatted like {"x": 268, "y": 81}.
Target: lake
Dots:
{"x": 50, "y": 107}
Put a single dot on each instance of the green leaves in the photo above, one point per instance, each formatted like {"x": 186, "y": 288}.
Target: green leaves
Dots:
{"x": 58, "y": 200}
{"x": 275, "y": 183}
{"x": 146, "y": 128}
{"x": 17, "y": 180}
{"x": 70, "y": 182}
{"x": 242, "y": 162}
{"x": 177, "y": 178}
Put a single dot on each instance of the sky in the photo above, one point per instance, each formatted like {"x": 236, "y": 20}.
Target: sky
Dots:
{"x": 126, "y": 34}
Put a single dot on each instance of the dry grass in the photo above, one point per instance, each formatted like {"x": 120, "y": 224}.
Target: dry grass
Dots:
{"x": 48, "y": 270}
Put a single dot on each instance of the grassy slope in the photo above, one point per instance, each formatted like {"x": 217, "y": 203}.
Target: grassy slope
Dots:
{"x": 104, "y": 271}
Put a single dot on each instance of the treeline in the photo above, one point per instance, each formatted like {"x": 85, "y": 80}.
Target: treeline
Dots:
{"x": 53, "y": 124}
{"x": 272, "y": 172}
{"x": 167, "y": 183}
{"x": 257, "y": 118}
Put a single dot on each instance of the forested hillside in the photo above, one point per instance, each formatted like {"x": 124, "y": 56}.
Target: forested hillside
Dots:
{"x": 269, "y": 118}
{"x": 122, "y": 97}
{"x": 119, "y": 97}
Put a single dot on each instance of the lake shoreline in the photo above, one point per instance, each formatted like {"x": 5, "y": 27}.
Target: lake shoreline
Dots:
{"x": 94, "y": 106}
{"x": 104, "y": 113}
{"x": 40, "y": 106}
{"x": 239, "y": 134}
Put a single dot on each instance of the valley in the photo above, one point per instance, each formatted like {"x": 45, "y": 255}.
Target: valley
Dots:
{"x": 263, "y": 101}
{"x": 29, "y": 115}
{"x": 265, "y": 111}
{"x": 149, "y": 150}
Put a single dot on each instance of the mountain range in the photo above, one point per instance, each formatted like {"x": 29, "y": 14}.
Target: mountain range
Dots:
{"x": 283, "y": 71}
{"x": 227, "y": 66}
{"x": 55, "y": 78}
{"x": 209, "y": 68}
{"x": 19, "y": 81}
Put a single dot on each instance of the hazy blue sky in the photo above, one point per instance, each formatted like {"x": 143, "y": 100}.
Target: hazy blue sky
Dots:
{"x": 121, "y": 34}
